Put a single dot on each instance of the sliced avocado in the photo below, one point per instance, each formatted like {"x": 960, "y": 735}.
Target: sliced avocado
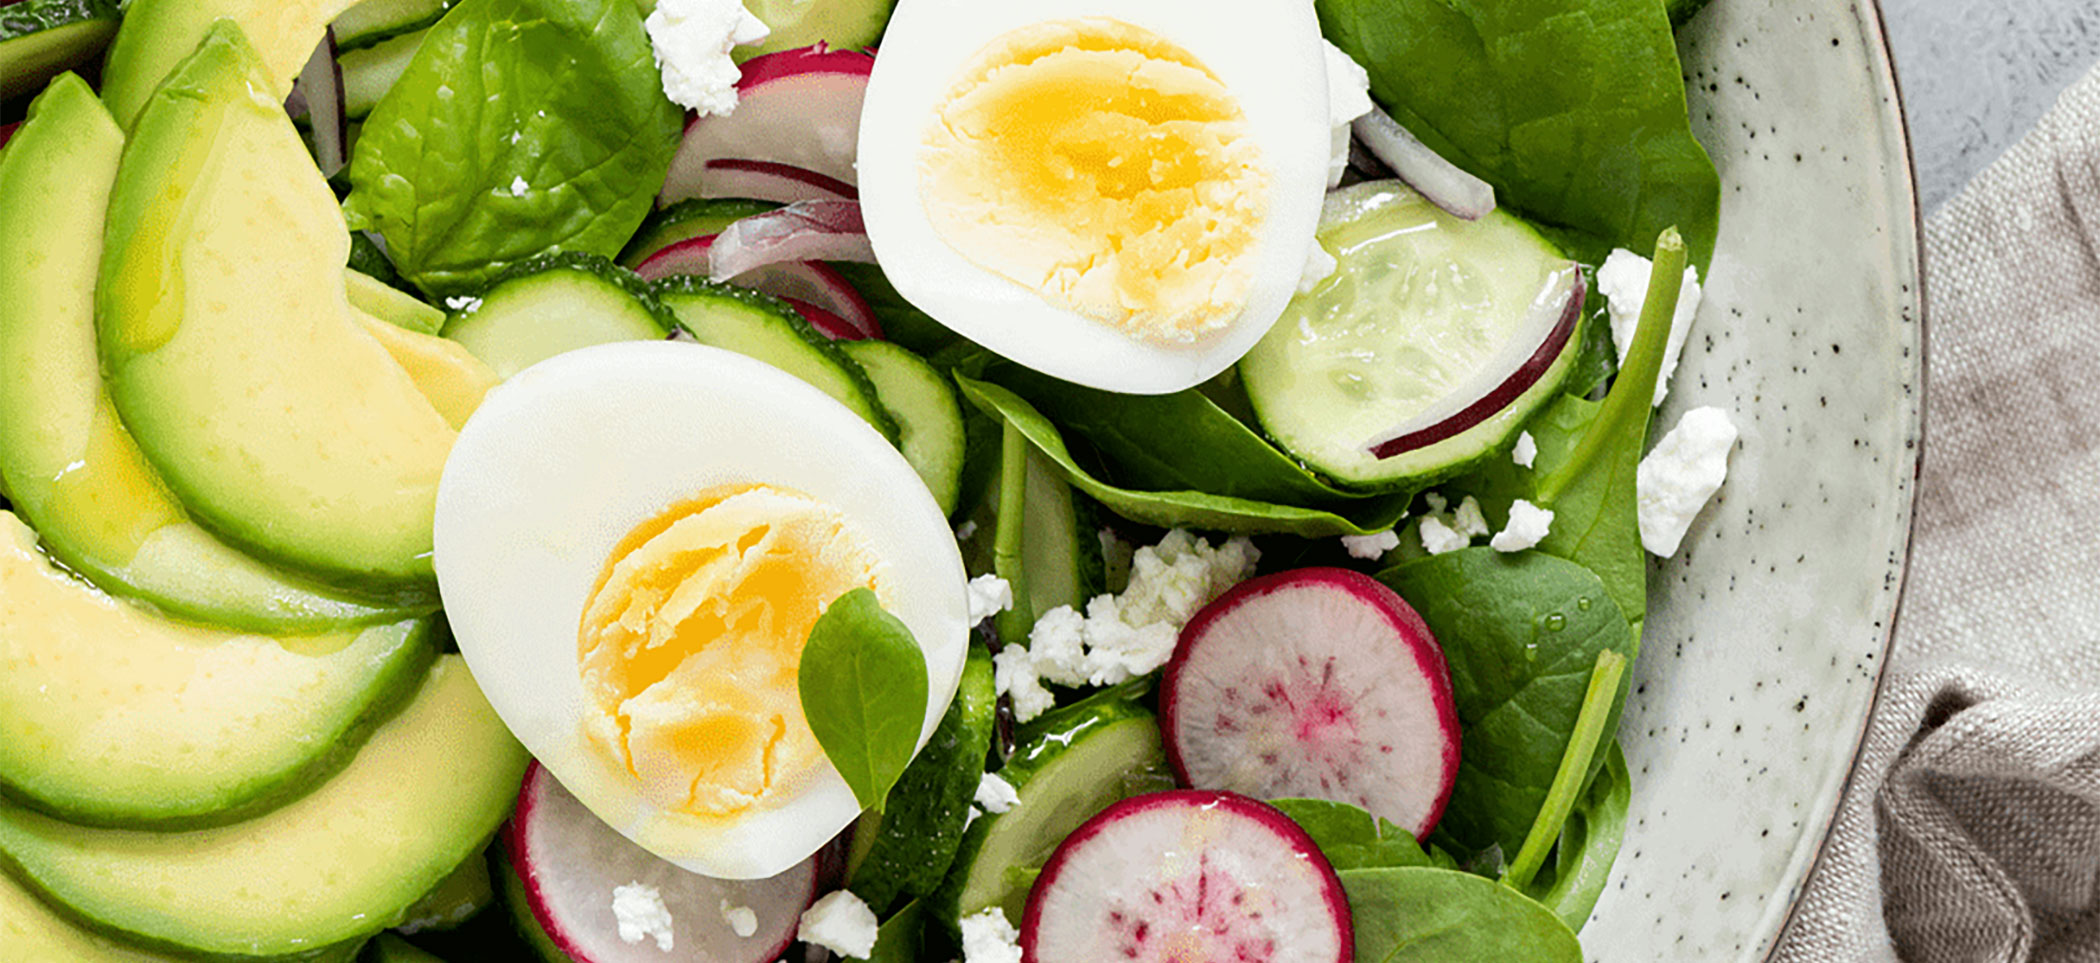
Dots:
{"x": 389, "y": 948}
{"x": 335, "y": 866}
{"x": 232, "y": 351}
{"x": 451, "y": 379}
{"x": 158, "y": 34}
{"x": 41, "y": 38}
{"x": 66, "y": 461}
{"x": 391, "y": 304}
{"x": 455, "y": 900}
{"x": 33, "y": 933}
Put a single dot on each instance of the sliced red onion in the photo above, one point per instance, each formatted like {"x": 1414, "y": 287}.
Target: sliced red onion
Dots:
{"x": 1443, "y": 183}
{"x": 812, "y": 282}
{"x": 318, "y": 93}
{"x": 827, "y": 324}
{"x": 769, "y": 181}
{"x": 802, "y": 231}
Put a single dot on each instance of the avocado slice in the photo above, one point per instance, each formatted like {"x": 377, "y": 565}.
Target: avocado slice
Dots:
{"x": 450, "y": 378}
{"x": 336, "y": 866}
{"x": 232, "y": 351}
{"x": 157, "y": 34}
{"x": 391, "y": 304}
{"x": 40, "y": 38}
{"x": 33, "y": 933}
{"x": 66, "y": 461}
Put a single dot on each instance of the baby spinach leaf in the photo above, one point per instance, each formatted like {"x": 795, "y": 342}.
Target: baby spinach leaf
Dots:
{"x": 1575, "y": 769}
{"x": 863, "y": 688}
{"x": 1521, "y": 633}
{"x": 1589, "y": 844}
{"x": 1351, "y": 838}
{"x": 897, "y": 940}
{"x": 1169, "y": 509}
{"x": 1428, "y": 915}
{"x": 1573, "y": 109}
{"x": 522, "y": 127}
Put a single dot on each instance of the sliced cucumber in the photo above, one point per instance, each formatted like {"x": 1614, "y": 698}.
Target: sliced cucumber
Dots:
{"x": 1071, "y": 764}
{"x": 846, "y": 24}
{"x": 686, "y": 220}
{"x": 1428, "y": 321}
{"x": 905, "y": 850}
{"x": 376, "y": 21}
{"x": 553, "y": 304}
{"x": 391, "y": 304}
{"x": 369, "y": 72}
{"x": 39, "y": 39}
{"x": 1060, "y": 540}
{"x": 929, "y": 417}
{"x": 764, "y": 327}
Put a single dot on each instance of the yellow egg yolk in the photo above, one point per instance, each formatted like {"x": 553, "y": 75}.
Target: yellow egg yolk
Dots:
{"x": 691, "y": 642}
{"x": 1105, "y": 168}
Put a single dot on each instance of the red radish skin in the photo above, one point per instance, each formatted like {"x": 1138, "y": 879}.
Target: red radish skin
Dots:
{"x": 570, "y": 862}
{"x": 827, "y": 324}
{"x": 811, "y": 281}
{"x": 767, "y": 181}
{"x": 796, "y": 107}
{"x": 1319, "y": 683}
{"x": 1188, "y": 875}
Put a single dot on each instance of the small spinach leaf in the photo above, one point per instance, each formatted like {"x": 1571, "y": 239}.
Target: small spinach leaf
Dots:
{"x": 1351, "y": 838}
{"x": 1426, "y": 915}
{"x": 521, "y": 127}
{"x": 1589, "y": 844}
{"x": 863, "y": 687}
{"x": 1575, "y": 769}
{"x": 897, "y": 940}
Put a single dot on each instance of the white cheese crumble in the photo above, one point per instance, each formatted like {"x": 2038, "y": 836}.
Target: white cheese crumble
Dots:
{"x": 995, "y": 794}
{"x": 1528, "y": 525}
{"x": 1348, "y": 97}
{"x": 1526, "y": 452}
{"x": 463, "y": 302}
{"x": 988, "y": 937}
{"x": 1126, "y": 635}
{"x": 1448, "y": 531}
{"x": 1677, "y": 478}
{"x": 1623, "y": 280}
{"x": 639, "y": 910}
{"x": 1438, "y": 538}
{"x": 692, "y": 40}
{"x": 742, "y": 920}
{"x": 989, "y": 595}
{"x": 518, "y": 187}
{"x": 841, "y": 923}
{"x": 1371, "y": 546}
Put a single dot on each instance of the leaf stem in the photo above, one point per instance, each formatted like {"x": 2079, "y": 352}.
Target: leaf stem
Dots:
{"x": 1015, "y": 623}
{"x": 1574, "y": 768}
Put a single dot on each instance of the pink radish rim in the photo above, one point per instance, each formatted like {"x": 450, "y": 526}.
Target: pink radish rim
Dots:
{"x": 1429, "y": 660}
{"x": 857, "y": 313}
{"x": 1331, "y": 891}
{"x": 827, "y": 324}
{"x": 817, "y": 58}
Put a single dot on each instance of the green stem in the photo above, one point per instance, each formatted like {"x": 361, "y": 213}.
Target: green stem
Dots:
{"x": 1633, "y": 393}
{"x": 1574, "y": 768}
{"x": 1015, "y": 623}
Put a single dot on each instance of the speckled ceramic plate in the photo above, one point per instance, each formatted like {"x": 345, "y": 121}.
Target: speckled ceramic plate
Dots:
{"x": 1765, "y": 649}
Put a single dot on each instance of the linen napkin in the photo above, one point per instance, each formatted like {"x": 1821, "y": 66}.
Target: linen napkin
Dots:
{"x": 1971, "y": 833}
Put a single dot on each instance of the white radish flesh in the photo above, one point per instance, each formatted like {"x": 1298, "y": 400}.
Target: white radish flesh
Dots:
{"x": 1445, "y": 184}
{"x": 767, "y": 181}
{"x": 796, "y": 107}
{"x": 811, "y": 282}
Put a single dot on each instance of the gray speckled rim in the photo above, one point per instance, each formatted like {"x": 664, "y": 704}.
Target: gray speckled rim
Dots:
{"x": 1874, "y": 25}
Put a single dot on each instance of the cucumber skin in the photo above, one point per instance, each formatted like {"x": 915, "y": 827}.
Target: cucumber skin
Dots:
{"x": 917, "y": 834}
{"x": 592, "y": 264}
{"x": 677, "y": 223}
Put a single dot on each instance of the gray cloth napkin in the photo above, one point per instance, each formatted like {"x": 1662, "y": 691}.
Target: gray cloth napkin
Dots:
{"x": 1971, "y": 832}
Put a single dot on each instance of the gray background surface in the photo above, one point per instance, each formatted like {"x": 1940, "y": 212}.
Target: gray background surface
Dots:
{"x": 1977, "y": 74}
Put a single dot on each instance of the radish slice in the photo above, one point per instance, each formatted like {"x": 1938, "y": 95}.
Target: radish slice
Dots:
{"x": 805, "y": 231}
{"x": 1188, "y": 875}
{"x": 7, "y": 132}
{"x": 795, "y": 107}
{"x": 570, "y": 862}
{"x": 827, "y": 324}
{"x": 318, "y": 93}
{"x": 1319, "y": 683}
{"x": 811, "y": 281}
{"x": 1442, "y": 182}
{"x": 767, "y": 181}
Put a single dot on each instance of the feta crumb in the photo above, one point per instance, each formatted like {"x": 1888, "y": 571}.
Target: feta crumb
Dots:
{"x": 466, "y": 303}
{"x": 965, "y": 531}
{"x": 1438, "y": 538}
{"x": 988, "y": 937}
{"x": 640, "y": 912}
{"x": 1527, "y": 526}
{"x": 971, "y": 816}
{"x": 1526, "y": 452}
{"x": 1348, "y": 97}
{"x": 518, "y": 187}
{"x": 1677, "y": 478}
{"x": 995, "y": 794}
{"x": 989, "y": 595}
{"x": 1468, "y": 520}
{"x": 742, "y": 920}
{"x": 1014, "y": 674}
{"x": 692, "y": 40}
{"x": 1623, "y": 280}
{"x": 841, "y": 923}
{"x": 1319, "y": 266}
{"x": 1371, "y": 546}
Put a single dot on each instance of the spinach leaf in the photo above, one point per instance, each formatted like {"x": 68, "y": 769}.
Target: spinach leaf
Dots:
{"x": 897, "y": 940}
{"x": 1589, "y": 844}
{"x": 1575, "y": 769}
{"x": 1521, "y": 633}
{"x": 1189, "y": 509}
{"x": 863, "y": 688}
{"x": 1351, "y": 838}
{"x": 1427, "y": 915}
{"x": 1573, "y": 109}
{"x": 1596, "y": 359}
{"x": 902, "y": 321}
{"x": 521, "y": 127}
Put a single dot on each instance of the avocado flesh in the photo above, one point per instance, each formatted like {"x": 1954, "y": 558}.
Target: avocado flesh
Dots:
{"x": 66, "y": 461}
{"x": 33, "y": 933}
{"x": 231, "y": 349}
{"x": 339, "y": 864}
{"x": 451, "y": 379}
{"x": 157, "y": 34}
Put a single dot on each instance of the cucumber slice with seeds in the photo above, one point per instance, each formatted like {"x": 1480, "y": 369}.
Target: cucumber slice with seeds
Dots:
{"x": 39, "y": 39}
{"x": 844, "y": 24}
{"x": 553, "y": 304}
{"x": 929, "y": 417}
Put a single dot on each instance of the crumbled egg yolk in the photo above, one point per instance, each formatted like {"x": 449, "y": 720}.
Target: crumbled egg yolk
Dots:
{"x": 1105, "y": 168}
{"x": 691, "y": 642}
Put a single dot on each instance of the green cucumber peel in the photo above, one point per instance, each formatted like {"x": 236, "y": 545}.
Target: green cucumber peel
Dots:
{"x": 863, "y": 687}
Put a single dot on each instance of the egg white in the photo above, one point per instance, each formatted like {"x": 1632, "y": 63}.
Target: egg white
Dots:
{"x": 566, "y": 458}
{"x": 1270, "y": 57}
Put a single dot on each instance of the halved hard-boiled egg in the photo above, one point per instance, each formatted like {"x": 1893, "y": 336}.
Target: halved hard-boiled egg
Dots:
{"x": 1120, "y": 194}
{"x": 633, "y": 542}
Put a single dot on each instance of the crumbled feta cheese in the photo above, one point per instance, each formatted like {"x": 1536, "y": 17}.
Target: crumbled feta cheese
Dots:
{"x": 989, "y": 595}
{"x": 742, "y": 920}
{"x": 1468, "y": 519}
{"x": 466, "y": 303}
{"x": 518, "y": 187}
{"x": 1319, "y": 266}
{"x": 1014, "y": 674}
{"x": 988, "y": 937}
{"x": 1526, "y": 452}
{"x": 1371, "y": 546}
{"x": 1448, "y": 531}
{"x": 1438, "y": 538}
{"x": 1677, "y": 478}
{"x": 995, "y": 794}
{"x": 965, "y": 531}
{"x": 692, "y": 40}
{"x": 1528, "y": 525}
{"x": 1623, "y": 280}
{"x": 640, "y": 912}
{"x": 841, "y": 923}
{"x": 971, "y": 816}
{"x": 1348, "y": 97}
